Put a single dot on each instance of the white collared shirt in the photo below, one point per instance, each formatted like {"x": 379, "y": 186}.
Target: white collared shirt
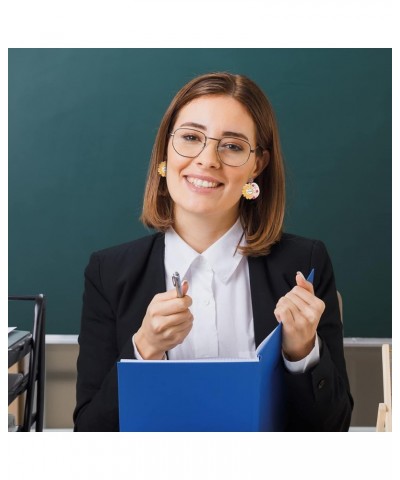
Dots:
{"x": 219, "y": 285}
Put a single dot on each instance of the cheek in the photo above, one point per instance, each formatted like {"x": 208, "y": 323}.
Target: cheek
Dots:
{"x": 172, "y": 163}
{"x": 240, "y": 180}
{"x": 170, "y": 153}
{"x": 175, "y": 165}
{"x": 175, "y": 161}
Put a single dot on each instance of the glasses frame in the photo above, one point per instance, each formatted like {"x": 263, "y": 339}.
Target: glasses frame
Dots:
{"x": 205, "y": 144}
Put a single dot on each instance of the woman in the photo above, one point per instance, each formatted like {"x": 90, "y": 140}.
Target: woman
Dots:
{"x": 215, "y": 193}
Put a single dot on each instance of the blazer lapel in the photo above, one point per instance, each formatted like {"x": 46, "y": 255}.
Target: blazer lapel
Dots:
{"x": 145, "y": 278}
{"x": 155, "y": 270}
{"x": 262, "y": 299}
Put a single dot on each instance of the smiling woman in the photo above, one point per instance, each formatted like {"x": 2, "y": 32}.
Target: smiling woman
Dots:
{"x": 215, "y": 193}
{"x": 202, "y": 187}
{"x": 247, "y": 117}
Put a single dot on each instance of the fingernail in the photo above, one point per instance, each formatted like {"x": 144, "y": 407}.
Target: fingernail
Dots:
{"x": 299, "y": 273}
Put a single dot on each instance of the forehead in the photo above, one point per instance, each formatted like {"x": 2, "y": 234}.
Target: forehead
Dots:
{"x": 217, "y": 113}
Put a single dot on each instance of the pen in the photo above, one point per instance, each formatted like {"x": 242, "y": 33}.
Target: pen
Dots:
{"x": 310, "y": 277}
{"x": 176, "y": 280}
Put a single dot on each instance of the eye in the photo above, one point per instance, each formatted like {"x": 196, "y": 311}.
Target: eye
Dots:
{"x": 231, "y": 146}
{"x": 187, "y": 135}
{"x": 190, "y": 138}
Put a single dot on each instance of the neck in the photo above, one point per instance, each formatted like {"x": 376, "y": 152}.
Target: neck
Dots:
{"x": 201, "y": 233}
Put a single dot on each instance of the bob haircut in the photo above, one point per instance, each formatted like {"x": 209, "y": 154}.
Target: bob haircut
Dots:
{"x": 262, "y": 219}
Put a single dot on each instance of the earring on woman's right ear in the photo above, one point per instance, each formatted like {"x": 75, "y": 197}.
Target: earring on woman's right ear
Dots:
{"x": 162, "y": 169}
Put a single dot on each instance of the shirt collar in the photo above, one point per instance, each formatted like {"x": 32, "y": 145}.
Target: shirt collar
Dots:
{"x": 222, "y": 256}
{"x": 178, "y": 254}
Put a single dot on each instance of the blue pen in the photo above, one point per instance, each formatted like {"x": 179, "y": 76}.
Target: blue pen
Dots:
{"x": 310, "y": 277}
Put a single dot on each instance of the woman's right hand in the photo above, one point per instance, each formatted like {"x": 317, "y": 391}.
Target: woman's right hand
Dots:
{"x": 166, "y": 324}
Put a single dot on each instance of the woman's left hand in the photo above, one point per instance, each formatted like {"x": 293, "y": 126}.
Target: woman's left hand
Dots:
{"x": 299, "y": 311}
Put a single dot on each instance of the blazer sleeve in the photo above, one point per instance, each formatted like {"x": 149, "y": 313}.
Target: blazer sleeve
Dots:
{"x": 96, "y": 393}
{"x": 320, "y": 399}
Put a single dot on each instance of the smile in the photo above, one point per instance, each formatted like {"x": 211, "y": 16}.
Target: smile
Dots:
{"x": 197, "y": 182}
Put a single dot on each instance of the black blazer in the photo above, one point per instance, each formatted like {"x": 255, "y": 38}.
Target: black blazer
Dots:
{"x": 121, "y": 281}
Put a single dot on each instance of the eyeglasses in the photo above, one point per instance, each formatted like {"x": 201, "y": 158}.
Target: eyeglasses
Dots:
{"x": 232, "y": 151}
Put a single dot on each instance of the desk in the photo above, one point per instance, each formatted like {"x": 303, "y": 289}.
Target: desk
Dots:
{"x": 363, "y": 358}
{"x": 23, "y": 344}
{"x": 19, "y": 345}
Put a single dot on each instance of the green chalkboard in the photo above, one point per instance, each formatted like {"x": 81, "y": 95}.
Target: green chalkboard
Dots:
{"x": 81, "y": 127}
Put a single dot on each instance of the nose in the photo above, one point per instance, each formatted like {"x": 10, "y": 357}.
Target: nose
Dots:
{"x": 209, "y": 156}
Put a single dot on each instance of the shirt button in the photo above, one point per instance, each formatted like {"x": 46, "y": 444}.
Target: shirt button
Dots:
{"x": 207, "y": 302}
{"x": 321, "y": 384}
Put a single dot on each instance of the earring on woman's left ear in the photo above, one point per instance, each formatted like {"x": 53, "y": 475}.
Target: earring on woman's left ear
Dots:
{"x": 251, "y": 190}
{"x": 162, "y": 169}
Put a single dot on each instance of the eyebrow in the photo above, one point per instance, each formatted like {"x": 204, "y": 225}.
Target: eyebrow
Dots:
{"x": 224, "y": 134}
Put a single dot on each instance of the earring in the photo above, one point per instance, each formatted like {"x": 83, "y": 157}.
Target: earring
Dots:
{"x": 162, "y": 169}
{"x": 251, "y": 190}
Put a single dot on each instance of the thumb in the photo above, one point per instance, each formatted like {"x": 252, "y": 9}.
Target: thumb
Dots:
{"x": 185, "y": 287}
{"x": 302, "y": 282}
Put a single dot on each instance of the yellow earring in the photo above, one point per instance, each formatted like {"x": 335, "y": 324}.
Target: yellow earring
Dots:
{"x": 251, "y": 190}
{"x": 162, "y": 169}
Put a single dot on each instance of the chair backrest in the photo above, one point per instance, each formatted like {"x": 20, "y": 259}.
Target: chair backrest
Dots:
{"x": 36, "y": 366}
{"x": 384, "y": 418}
{"x": 340, "y": 300}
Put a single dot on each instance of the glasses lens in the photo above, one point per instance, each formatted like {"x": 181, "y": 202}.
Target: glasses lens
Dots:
{"x": 234, "y": 151}
{"x": 188, "y": 142}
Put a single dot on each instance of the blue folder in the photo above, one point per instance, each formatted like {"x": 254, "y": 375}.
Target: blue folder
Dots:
{"x": 208, "y": 396}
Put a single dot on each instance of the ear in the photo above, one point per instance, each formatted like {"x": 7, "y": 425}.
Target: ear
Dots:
{"x": 261, "y": 162}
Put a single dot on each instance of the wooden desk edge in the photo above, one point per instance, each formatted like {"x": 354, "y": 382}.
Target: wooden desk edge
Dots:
{"x": 348, "y": 341}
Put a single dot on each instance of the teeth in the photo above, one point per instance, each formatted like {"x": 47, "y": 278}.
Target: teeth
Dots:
{"x": 201, "y": 183}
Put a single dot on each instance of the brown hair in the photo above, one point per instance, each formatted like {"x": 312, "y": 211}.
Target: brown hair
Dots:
{"x": 262, "y": 219}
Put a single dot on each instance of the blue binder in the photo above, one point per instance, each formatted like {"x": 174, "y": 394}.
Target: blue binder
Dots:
{"x": 208, "y": 396}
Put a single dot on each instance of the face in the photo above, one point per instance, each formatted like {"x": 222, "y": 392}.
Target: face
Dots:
{"x": 203, "y": 186}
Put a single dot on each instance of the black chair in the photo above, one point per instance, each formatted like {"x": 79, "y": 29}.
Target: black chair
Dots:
{"x": 31, "y": 382}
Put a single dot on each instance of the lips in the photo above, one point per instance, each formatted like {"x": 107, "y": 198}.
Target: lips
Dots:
{"x": 203, "y": 182}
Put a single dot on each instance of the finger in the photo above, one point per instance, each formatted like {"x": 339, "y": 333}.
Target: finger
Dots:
{"x": 302, "y": 282}
{"x": 302, "y": 307}
{"x": 295, "y": 313}
{"x": 304, "y": 294}
{"x": 171, "y": 294}
{"x": 304, "y": 301}
{"x": 179, "y": 318}
{"x": 178, "y": 330}
{"x": 172, "y": 306}
{"x": 185, "y": 287}
{"x": 305, "y": 313}
{"x": 176, "y": 305}
{"x": 164, "y": 296}
{"x": 284, "y": 312}
{"x": 312, "y": 302}
{"x": 301, "y": 312}
{"x": 161, "y": 324}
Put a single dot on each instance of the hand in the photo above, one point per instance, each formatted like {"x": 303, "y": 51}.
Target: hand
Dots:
{"x": 166, "y": 324}
{"x": 300, "y": 312}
